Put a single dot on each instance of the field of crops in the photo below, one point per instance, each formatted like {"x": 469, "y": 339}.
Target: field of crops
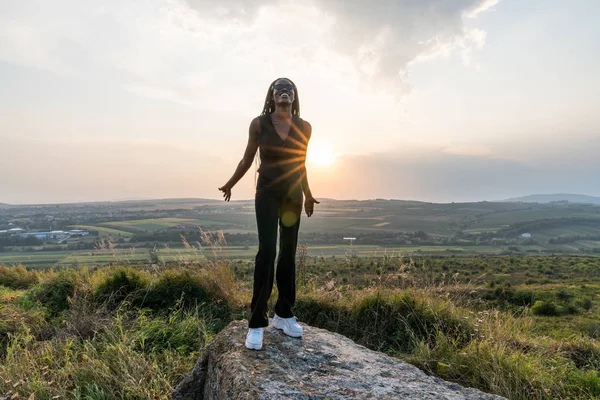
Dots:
{"x": 142, "y": 255}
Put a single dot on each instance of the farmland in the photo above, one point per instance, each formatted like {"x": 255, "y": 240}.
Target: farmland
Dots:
{"x": 130, "y": 230}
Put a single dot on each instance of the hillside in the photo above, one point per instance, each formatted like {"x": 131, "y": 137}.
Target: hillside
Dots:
{"x": 559, "y": 197}
{"x": 403, "y": 226}
{"x": 519, "y": 327}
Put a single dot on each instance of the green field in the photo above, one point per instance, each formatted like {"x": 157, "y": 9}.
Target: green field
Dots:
{"x": 401, "y": 226}
{"x": 141, "y": 255}
{"x": 103, "y": 231}
{"x": 156, "y": 224}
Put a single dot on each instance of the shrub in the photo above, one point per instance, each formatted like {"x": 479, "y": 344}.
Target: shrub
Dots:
{"x": 545, "y": 308}
{"x": 388, "y": 322}
{"x": 586, "y": 303}
{"x": 569, "y": 309}
{"x": 172, "y": 288}
{"x": 563, "y": 295}
{"x": 324, "y": 313}
{"x": 118, "y": 286}
{"x": 401, "y": 321}
{"x": 54, "y": 294}
{"x": 522, "y": 298}
{"x": 17, "y": 277}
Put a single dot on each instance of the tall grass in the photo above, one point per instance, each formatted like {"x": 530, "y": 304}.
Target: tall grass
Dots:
{"x": 137, "y": 357}
{"x": 17, "y": 277}
{"x": 439, "y": 326}
{"x": 109, "y": 333}
{"x": 133, "y": 331}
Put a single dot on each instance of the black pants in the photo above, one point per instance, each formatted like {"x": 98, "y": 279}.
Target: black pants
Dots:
{"x": 275, "y": 207}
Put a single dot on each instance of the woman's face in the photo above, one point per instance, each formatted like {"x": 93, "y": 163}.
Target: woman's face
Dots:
{"x": 283, "y": 92}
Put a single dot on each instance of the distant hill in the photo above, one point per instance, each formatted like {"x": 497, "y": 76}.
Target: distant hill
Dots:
{"x": 166, "y": 201}
{"x": 549, "y": 198}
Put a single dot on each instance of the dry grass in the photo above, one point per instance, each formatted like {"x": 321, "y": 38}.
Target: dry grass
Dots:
{"x": 99, "y": 344}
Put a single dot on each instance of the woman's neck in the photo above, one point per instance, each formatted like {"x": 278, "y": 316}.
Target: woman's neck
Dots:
{"x": 283, "y": 111}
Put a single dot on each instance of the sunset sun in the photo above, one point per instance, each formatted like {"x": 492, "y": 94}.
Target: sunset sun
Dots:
{"x": 320, "y": 154}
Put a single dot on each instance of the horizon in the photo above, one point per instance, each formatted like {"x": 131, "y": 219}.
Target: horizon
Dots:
{"x": 512, "y": 199}
{"x": 456, "y": 101}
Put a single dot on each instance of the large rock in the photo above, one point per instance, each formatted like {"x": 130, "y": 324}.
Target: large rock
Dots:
{"x": 321, "y": 365}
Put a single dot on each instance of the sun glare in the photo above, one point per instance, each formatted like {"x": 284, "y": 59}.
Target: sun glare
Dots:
{"x": 320, "y": 154}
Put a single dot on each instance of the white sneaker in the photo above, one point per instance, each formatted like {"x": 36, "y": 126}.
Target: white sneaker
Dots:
{"x": 289, "y": 325}
{"x": 254, "y": 338}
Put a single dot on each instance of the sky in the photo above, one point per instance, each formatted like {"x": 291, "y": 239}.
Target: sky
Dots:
{"x": 432, "y": 100}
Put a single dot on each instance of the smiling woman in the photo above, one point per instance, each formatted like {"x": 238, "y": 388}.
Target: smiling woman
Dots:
{"x": 281, "y": 139}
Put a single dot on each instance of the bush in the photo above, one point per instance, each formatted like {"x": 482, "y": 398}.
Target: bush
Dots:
{"x": 401, "y": 321}
{"x": 586, "y": 303}
{"x": 118, "y": 286}
{"x": 545, "y": 308}
{"x": 569, "y": 309}
{"x": 388, "y": 322}
{"x": 54, "y": 294}
{"x": 522, "y": 298}
{"x": 172, "y": 288}
{"x": 17, "y": 277}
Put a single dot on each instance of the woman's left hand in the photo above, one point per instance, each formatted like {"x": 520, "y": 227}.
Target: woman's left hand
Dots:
{"x": 309, "y": 205}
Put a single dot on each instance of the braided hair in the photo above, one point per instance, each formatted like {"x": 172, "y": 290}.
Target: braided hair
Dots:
{"x": 268, "y": 109}
{"x": 269, "y": 106}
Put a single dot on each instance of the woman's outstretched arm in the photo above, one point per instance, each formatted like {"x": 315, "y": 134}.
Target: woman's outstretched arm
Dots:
{"x": 246, "y": 162}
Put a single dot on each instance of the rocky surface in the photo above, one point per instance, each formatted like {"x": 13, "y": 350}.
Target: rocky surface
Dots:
{"x": 321, "y": 365}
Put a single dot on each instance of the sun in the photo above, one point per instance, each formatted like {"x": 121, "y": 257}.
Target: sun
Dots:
{"x": 320, "y": 154}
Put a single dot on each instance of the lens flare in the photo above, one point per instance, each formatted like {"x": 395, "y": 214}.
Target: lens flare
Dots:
{"x": 289, "y": 218}
{"x": 320, "y": 154}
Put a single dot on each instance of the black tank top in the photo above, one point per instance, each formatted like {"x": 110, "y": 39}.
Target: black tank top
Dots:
{"x": 281, "y": 161}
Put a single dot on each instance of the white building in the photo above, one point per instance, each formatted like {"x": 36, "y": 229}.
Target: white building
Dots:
{"x": 45, "y": 235}
{"x": 525, "y": 235}
{"x": 52, "y": 235}
{"x": 81, "y": 232}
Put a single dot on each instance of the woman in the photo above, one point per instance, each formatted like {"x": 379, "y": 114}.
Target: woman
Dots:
{"x": 282, "y": 138}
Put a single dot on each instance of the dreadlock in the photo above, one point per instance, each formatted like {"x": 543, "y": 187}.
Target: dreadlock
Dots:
{"x": 268, "y": 109}
{"x": 269, "y": 106}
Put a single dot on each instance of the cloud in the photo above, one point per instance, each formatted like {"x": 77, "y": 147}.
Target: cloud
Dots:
{"x": 381, "y": 40}
{"x": 179, "y": 50}
{"x": 480, "y": 7}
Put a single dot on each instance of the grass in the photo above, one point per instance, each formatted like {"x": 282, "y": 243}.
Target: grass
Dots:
{"x": 155, "y": 224}
{"x": 138, "y": 255}
{"x": 132, "y": 331}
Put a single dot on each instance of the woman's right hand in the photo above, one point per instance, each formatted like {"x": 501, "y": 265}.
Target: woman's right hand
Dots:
{"x": 226, "y": 192}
